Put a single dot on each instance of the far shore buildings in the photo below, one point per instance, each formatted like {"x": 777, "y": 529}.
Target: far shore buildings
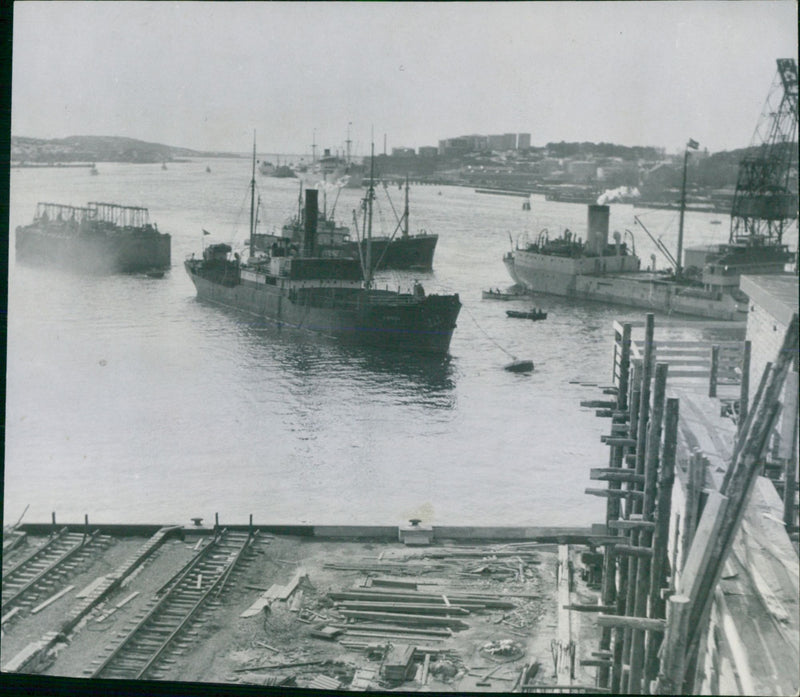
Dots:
{"x": 477, "y": 143}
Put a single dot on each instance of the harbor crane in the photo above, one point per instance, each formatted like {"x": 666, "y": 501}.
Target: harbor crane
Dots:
{"x": 765, "y": 201}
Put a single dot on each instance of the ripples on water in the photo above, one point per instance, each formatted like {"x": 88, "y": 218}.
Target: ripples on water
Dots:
{"x": 130, "y": 400}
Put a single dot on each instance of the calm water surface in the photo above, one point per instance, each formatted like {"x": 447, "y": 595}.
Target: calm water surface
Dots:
{"x": 131, "y": 401}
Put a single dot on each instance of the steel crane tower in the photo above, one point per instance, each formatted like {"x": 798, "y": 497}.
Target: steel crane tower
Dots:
{"x": 765, "y": 202}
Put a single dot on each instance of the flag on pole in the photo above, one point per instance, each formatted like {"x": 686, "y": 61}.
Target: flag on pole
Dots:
{"x": 693, "y": 144}
{"x": 206, "y": 232}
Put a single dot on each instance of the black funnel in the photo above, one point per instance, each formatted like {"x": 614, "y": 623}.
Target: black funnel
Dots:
{"x": 311, "y": 215}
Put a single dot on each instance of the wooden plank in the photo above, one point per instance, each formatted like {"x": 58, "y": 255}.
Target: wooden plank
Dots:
{"x": 9, "y": 615}
{"x": 619, "y": 442}
{"x": 88, "y": 590}
{"x": 608, "y": 609}
{"x": 292, "y": 585}
{"x": 425, "y": 668}
{"x": 615, "y": 493}
{"x": 615, "y": 474}
{"x": 595, "y": 662}
{"x": 405, "y": 608}
{"x": 401, "y": 618}
{"x": 625, "y": 622}
{"x": 390, "y": 628}
{"x": 633, "y": 551}
{"x": 394, "y": 583}
{"x": 125, "y": 601}
{"x": 702, "y": 544}
{"x": 51, "y": 599}
{"x": 630, "y": 524}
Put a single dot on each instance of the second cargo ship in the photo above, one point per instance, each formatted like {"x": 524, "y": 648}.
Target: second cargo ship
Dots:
{"x": 296, "y": 286}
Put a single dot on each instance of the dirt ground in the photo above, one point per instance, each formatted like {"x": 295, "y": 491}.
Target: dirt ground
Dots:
{"x": 277, "y": 645}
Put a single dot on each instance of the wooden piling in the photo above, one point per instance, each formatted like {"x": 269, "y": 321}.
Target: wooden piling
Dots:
{"x": 738, "y": 486}
{"x": 643, "y": 562}
{"x": 694, "y": 488}
{"x": 624, "y": 367}
{"x": 744, "y": 389}
{"x": 673, "y": 658}
{"x": 658, "y": 570}
{"x": 712, "y": 378}
{"x": 789, "y": 453}
{"x": 634, "y": 582}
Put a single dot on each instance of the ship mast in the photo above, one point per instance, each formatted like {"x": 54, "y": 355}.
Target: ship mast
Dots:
{"x": 405, "y": 213}
{"x": 370, "y": 197}
{"x": 253, "y": 197}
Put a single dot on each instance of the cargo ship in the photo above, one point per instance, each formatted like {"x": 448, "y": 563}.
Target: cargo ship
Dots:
{"x": 296, "y": 286}
{"x": 405, "y": 252}
{"x": 98, "y": 238}
{"x": 595, "y": 269}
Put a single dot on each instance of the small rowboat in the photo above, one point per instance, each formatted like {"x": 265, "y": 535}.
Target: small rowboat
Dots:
{"x": 497, "y": 294}
{"x": 529, "y": 314}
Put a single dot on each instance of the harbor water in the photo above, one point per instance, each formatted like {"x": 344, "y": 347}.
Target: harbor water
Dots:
{"x": 131, "y": 401}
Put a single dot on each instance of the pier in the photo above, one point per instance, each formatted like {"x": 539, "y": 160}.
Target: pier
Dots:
{"x": 700, "y": 592}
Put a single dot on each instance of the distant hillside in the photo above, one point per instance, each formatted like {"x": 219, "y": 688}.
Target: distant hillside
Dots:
{"x": 98, "y": 149}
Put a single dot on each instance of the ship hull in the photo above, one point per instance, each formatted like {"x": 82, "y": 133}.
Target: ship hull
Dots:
{"x": 412, "y": 253}
{"x": 370, "y": 318}
{"x": 541, "y": 273}
{"x": 93, "y": 252}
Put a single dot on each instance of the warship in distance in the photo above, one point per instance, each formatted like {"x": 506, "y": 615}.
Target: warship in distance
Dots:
{"x": 97, "y": 238}
{"x": 295, "y": 286}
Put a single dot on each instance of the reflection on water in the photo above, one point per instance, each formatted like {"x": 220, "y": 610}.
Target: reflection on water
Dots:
{"x": 130, "y": 400}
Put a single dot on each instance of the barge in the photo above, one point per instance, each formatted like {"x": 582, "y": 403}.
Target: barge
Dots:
{"x": 98, "y": 238}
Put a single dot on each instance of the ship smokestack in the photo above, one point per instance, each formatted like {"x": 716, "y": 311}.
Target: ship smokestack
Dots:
{"x": 597, "y": 228}
{"x": 311, "y": 216}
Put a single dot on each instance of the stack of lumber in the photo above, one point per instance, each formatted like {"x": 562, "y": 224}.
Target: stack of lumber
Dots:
{"x": 376, "y": 611}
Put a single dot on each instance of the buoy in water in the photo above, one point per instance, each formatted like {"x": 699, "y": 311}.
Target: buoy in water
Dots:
{"x": 520, "y": 366}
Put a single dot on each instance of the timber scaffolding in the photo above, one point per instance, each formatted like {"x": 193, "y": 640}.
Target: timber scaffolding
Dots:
{"x": 707, "y": 604}
{"x": 121, "y": 216}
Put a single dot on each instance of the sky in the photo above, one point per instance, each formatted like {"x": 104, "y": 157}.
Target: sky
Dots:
{"x": 205, "y": 75}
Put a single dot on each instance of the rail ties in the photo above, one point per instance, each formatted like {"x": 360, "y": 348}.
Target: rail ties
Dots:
{"x": 159, "y": 630}
{"x": 24, "y": 580}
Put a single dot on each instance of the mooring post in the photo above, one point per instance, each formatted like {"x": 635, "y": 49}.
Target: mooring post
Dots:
{"x": 53, "y": 518}
{"x": 673, "y": 658}
{"x": 712, "y": 381}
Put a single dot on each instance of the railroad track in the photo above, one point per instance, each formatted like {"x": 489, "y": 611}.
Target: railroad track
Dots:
{"x": 157, "y": 632}
{"x": 27, "y": 579}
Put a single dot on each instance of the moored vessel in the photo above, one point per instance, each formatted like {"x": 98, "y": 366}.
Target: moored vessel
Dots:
{"x": 534, "y": 314}
{"x": 99, "y": 238}
{"x": 404, "y": 252}
{"x": 611, "y": 273}
{"x": 296, "y": 286}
